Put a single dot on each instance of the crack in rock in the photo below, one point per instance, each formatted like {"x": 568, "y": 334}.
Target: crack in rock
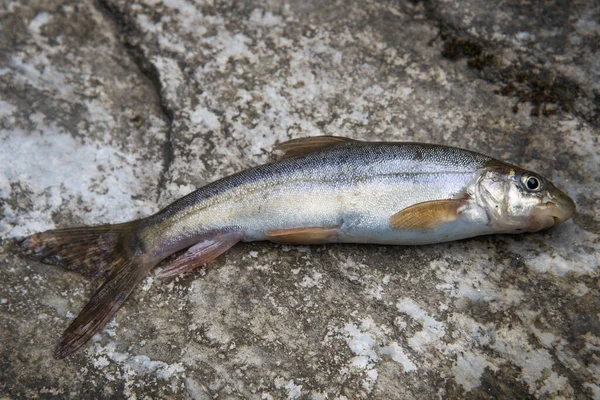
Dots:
{"x": 151, "y": 73}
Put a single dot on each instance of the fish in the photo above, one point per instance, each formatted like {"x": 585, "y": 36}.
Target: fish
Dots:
{"x": 325, "y": 189}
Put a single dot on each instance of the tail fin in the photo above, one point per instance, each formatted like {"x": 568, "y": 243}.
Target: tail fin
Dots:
{"x": 89, "y": 250}
{"x": 101, "y": 251}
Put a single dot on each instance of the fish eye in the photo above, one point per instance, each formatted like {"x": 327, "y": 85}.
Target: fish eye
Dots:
{"x": 532, "y": 182}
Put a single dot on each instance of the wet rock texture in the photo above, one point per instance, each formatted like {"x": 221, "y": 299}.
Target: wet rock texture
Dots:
{"x": 110, "y": 110}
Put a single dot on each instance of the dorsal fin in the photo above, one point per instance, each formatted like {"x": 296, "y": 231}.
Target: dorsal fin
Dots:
{"x": 307, "y": 145}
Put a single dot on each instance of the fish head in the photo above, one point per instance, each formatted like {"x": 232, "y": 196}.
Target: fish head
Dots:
{"x": 517, "y": 200}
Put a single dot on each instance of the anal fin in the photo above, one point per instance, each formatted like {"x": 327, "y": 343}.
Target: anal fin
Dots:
{"x": 427, "y": 215}
{"x": 200, "y": 253}
{"x": 311, "y": 235}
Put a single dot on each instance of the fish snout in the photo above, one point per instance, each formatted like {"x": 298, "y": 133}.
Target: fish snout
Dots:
{"x": 559, "y": 206}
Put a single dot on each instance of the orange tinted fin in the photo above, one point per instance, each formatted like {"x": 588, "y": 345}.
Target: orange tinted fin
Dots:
{"x": 314, "y": 235}
{"x": 199, "y": 254}
{"x": 307, "y": 145}
{"x": 426, "y": 215}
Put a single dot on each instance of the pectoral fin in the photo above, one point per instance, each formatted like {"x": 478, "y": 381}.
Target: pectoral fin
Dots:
{"x": 426, "y": 215}
{"x": 307, "y": 145}
{"x": 312, "y": 235}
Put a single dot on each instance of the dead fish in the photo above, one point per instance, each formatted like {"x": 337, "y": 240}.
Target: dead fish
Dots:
{"x": 324, "y": 190}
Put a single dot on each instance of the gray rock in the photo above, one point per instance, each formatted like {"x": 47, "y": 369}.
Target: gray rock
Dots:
{"x": 111, "y": 110}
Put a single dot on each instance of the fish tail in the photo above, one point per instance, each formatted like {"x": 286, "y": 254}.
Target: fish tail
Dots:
{"x": 89, "y": 250}
{"x": 104, "y": 252}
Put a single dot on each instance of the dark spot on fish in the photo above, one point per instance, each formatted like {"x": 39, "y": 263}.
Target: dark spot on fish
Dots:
{"x": 418, "y": 155}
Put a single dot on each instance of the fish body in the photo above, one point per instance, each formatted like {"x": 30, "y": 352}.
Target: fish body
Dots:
{"x": 324, "y": 190}
{"x": 355, "y": 187}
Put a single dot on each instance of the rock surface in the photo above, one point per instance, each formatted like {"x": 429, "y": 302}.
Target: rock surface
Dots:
{"x": 110, "y": 110}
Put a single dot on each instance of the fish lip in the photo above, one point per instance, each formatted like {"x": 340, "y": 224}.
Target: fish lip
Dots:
{"x": 551, "y": 213}
{"x": 560, "y": 205}
{"x": 560, "y": 211}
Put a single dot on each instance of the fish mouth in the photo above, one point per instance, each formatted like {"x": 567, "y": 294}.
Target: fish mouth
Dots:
{"x": 553, "y": 213}
{"x": 560, "y": 208}
{"x": 556, "y": 209}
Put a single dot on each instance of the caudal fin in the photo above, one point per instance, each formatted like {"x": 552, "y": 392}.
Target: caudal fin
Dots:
{"x": 90, "y": 250}
{"x": 101, "y": 251}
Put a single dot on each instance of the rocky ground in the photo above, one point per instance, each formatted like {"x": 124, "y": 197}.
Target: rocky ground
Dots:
{"x": 110, "y": 110}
